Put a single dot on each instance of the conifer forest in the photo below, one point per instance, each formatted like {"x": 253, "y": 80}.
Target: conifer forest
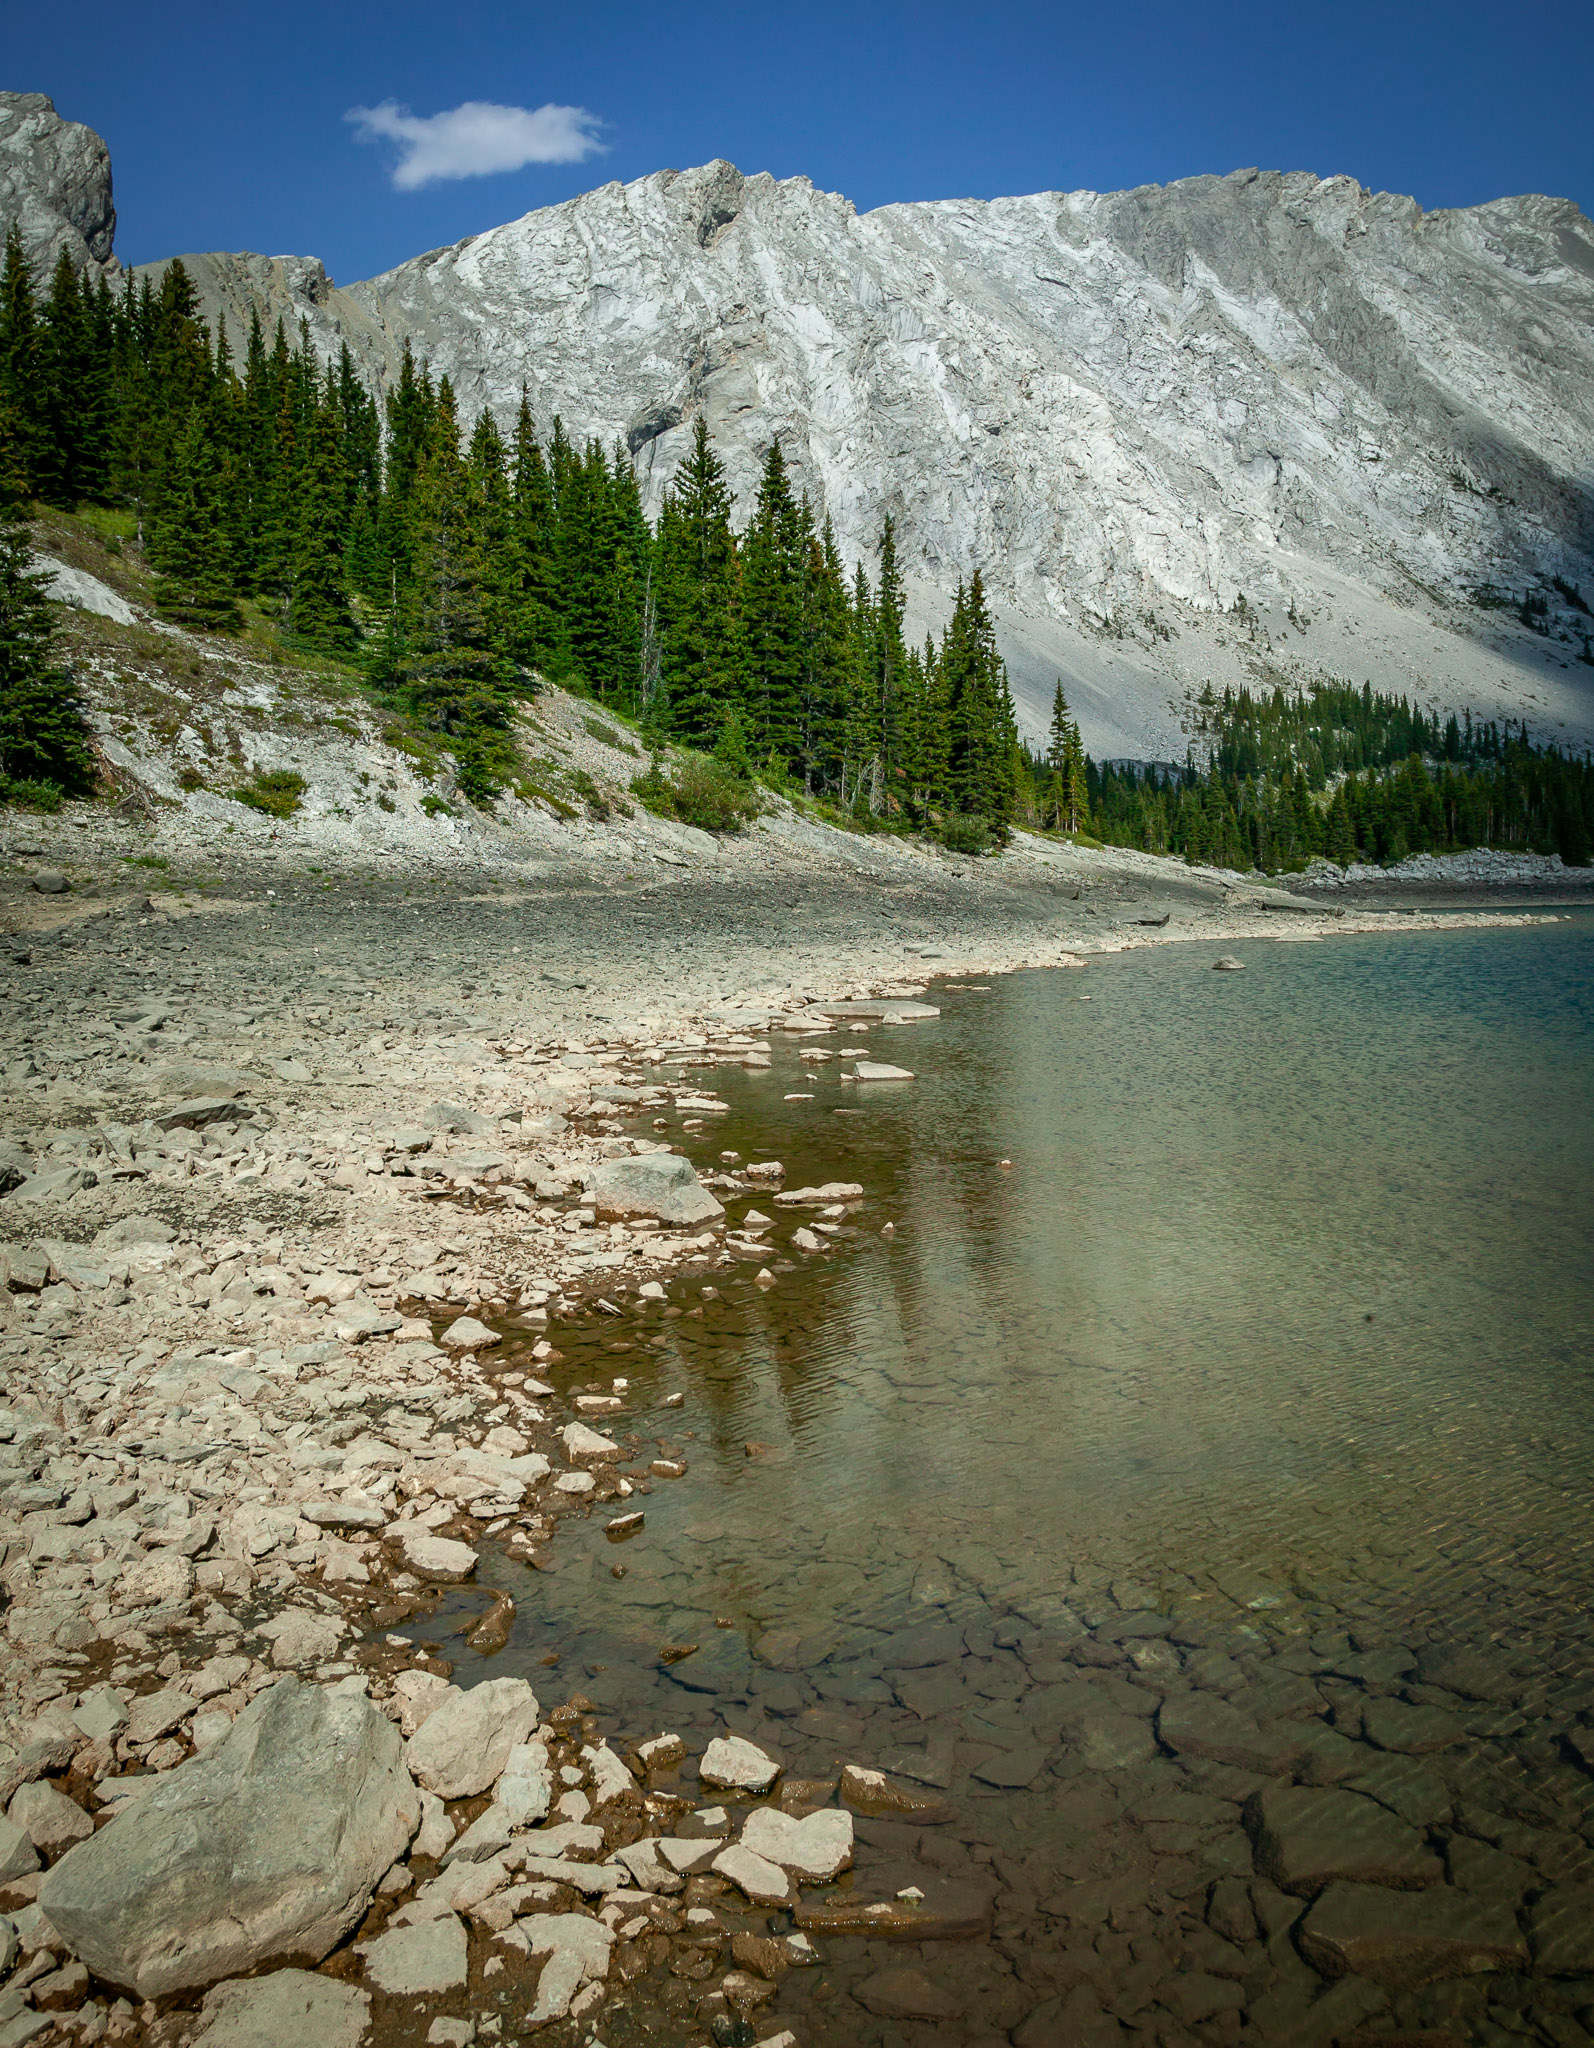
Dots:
{"x": 457, "y": 573}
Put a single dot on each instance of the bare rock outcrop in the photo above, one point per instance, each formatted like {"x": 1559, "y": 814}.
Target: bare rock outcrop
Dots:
{"x": 55, "y": 184}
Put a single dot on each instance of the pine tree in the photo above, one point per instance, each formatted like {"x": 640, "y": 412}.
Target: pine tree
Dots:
{"x": 44, "y": 735}
{"x": 982, "y": 730}
{"x": 186, "y": 544}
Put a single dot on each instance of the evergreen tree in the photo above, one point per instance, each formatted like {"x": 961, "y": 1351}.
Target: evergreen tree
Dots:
{"x": 698, "y": 591}
{"x": 318, "y": 602}
{"x": 773, "y": 567}
{"x": 192, "y": 585}
{"x": 982, "y": 731}
{"x": 22, "y": 380}
{"x": 44, "y": 735}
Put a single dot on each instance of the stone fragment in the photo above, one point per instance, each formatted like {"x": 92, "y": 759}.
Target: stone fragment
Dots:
{"x": 1305, "y": 1838}
{"x": 578, "y": 1952}
{"x": 814, "y": 1849}
{"x": 907, "y": 1995}
{"x": 269, "y": 1845}
{"x": 1199, "y": 1724}
{"x": 287, "y": 2009}
{"x": 585, "y": 1446}
{"x": 1562, "y": 1931}
{"x": 465, "y": 1333}
{"x": 438, "y": 1558}
{"x": 465, "y": 1745}
{"x": 687, "y": 1855}
{"x": 343, "y": 1514}
{"x": 765, "y": 1883}
{"x": 881, "y": 1798}
{"x": 1409, "y": 1730}
{"x": 659, "y": 1752}
{"x": 51, "y": 1821}
{"x": 660, "y": 1184}
{"x": 163, "y": 1580}
{"x": 427, "y": 1957}
{"x": 1402, "y": 1940}
{"x": 298, "y": 1637}
{"x": 950, "y": 1911}
{"x": 734, "y": 1764}
{"x": 879, "y": 1070}
{"x": 17, "y": 1854}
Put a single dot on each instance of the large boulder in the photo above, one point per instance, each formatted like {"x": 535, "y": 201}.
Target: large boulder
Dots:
{"x": 661, "y": 1184}
{"x": 267, "y": 1846}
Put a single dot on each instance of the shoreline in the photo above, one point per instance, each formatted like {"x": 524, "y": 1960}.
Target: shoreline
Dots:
{"x": 297, "y": 1431}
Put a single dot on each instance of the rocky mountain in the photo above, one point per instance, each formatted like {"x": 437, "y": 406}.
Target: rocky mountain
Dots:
{"x": 1237, "y": 429}
{"x": 55, "y": 184}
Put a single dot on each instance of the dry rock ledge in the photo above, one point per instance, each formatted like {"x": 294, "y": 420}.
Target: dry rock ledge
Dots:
{"x": 277, "y": 1173}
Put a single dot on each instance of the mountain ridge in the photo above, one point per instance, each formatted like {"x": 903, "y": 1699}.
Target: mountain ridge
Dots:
{"x": 1239, "y": 430}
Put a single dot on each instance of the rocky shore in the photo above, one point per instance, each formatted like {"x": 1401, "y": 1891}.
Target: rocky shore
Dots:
{"x": 302, "y": 1184}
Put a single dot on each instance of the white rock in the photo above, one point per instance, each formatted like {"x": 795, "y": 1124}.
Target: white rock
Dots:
{"x": 574, "y": 1482}
{"x": 687, "y": 1854}
{"x": 878, "y": 1070}
{"x": 300, "y": 1638}
{"x": 430, "y": 1956}
{"x": 737, "y": 1765}
{"x": 438, "y": 1558}
{"x": 465, "y": 1745}
{"x": 765, "y": 1883}
{"x": 269, "y": 1846}
{"x": 436, "y": 1830}
{"x": 816, "y": 1848}
{"x": 585, "y": 1446}
{"x": 660, "y": 1184}
{"x": 467, "y": 1334}
{"x": 578, "y": 1953}
{"x": 17, "y": 1854}
{"x": 287, "y": 2009}
{"x": 51, "y": 1821}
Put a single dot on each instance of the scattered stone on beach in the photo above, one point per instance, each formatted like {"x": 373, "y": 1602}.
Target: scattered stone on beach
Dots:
{"x": 438, "y": 1558}
{"x": 734, "y": 1764}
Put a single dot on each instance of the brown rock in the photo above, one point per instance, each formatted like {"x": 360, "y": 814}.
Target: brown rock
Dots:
{"x": 1199, "y": 1724}
{"x": 1563, "y": 1932}
{"x": 763, "y": 1953}
{"x": 1305, "y": 1838}
{"x": 906, "y": 1995}
{"x": 745, "y": 1992}
{"x": 950, "y": 1911}
{"x": 801, "y": 1796}
{"x": 882, "y": 1798}
{"x": 1411, "y": 1731}
{"x": 1402, "y": 1940}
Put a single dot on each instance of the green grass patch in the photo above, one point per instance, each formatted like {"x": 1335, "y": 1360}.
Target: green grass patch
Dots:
{"x": 277, "y": 794}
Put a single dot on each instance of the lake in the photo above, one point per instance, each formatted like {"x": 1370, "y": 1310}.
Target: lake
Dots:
{"x": 1189, "y": 1499}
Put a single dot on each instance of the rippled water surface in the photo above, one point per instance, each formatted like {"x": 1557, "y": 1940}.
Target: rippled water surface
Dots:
{"x": 1235, "y": 1330}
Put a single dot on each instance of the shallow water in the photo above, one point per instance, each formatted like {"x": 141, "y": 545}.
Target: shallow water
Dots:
{"x": 1258, "y": 1301}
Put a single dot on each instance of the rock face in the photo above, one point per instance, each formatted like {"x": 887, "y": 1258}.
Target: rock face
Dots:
{"x": 55, "y": 184}
{"x": 1129, "y": 408}
{"x": 267, "y": 1846}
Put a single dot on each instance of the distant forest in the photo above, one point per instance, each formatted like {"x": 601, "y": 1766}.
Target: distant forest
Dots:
{"x": 454, "y": 573}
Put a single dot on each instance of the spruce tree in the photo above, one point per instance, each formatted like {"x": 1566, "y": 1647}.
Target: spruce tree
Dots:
{"x": 773, "y": 567}
{"x": 44, "y": 734}
{"x": 186, "y": 542}
{"x": 318, "y": 600}
{"x": 698, "y": 592}
{"x": 22, "y": 372}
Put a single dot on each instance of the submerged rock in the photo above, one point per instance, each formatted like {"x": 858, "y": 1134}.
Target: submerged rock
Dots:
{"x": 269, "y": 1845}
{"x": 661, "y": 1184}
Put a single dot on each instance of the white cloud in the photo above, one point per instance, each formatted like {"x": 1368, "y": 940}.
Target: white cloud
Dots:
{"x": 476, "y": 139}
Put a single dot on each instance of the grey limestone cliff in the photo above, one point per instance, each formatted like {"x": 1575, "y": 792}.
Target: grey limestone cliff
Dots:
{"x": 1131, "y": 409}
{"x": 55, "y": 185}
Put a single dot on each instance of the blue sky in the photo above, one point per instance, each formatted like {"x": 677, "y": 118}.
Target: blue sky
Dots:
{"x": 228, "y": 125}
